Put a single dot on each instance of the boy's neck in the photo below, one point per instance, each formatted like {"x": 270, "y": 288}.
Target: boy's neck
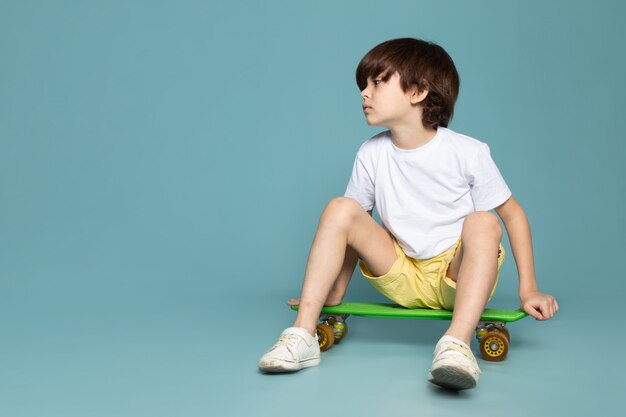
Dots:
{"x": 411, "y": 137}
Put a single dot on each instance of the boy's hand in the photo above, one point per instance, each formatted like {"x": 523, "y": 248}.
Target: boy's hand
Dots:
{"x": 540, "y": 306}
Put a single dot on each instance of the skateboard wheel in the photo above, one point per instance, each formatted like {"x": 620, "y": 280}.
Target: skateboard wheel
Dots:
{"x": 340, "y": 330}
{"x": 325, "y": 336}
{"x": 338, "y": 324}
{"x": 494, "y": 346}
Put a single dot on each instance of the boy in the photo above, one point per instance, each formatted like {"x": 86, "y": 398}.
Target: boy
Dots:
{"x": 439, "y": 245}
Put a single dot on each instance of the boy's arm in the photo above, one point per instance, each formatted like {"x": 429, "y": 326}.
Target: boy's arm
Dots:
{"x": 540, "y": 306}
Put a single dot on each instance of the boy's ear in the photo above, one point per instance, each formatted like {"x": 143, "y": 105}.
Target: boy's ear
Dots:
{"x": 417, "y": 95}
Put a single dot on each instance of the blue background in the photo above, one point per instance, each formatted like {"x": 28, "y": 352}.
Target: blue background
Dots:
{"x": 163, "y": 166}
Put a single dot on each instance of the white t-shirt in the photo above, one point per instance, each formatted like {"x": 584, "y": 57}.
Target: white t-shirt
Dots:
{"x": 423, "y": 195}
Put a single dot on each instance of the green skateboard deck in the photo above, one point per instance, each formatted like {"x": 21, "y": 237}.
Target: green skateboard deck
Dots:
{"x": 394, "y": 311}
{"x": 491, "y": 333}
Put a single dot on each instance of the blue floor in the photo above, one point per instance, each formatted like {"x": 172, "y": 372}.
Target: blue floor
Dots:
{"x": 200, "y": 360}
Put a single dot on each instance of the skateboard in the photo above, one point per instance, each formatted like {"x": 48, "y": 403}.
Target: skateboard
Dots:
{"x": 491, "y": 333}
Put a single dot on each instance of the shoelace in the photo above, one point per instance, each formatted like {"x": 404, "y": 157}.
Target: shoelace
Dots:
{"x": 288, "y": 340}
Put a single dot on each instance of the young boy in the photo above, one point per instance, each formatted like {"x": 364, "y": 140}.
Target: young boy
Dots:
{"x": 439, "y": 245}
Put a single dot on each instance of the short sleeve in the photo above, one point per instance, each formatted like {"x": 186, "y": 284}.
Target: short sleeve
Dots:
{"x": 488, "y": 188}
{"x": 361, "y": 184}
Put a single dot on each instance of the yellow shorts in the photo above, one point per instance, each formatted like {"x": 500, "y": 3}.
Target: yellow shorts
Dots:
{"x": 421, "y": 283}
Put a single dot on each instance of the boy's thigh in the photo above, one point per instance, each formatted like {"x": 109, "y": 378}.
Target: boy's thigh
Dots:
{"x": 371, "y": 242}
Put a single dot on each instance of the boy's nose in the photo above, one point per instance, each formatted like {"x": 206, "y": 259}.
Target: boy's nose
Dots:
{"x": 364, "y": 93}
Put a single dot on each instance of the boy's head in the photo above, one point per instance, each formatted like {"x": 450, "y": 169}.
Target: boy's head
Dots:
{"x": 420, "y": 64}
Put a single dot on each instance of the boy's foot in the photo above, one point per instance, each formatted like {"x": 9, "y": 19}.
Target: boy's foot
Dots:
{"x": 454, "y": 366}
{"x": 295, "y": 349}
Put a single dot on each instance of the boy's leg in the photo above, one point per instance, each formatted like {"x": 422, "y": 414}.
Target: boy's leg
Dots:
{"x": 344, "y": 230}
{"x": 474, "y": 268}
{"x": 341, "y": 283}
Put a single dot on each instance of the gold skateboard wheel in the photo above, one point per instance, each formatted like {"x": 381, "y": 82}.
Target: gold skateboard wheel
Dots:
{"x": 325, "y": 336}
{"x": 494, "y": 346}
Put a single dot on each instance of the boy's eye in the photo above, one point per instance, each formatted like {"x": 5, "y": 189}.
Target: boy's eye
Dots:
{"x": 376, "y": 82}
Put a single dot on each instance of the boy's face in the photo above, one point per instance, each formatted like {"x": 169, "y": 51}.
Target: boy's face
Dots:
{"x": 385, "y": 104}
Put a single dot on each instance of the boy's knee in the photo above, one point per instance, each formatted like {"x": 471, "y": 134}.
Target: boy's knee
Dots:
{"x": 484, "y": 221}
{"x": 344, "y": 209}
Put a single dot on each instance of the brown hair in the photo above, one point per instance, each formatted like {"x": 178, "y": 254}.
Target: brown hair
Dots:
{"x": 418, "y": 63}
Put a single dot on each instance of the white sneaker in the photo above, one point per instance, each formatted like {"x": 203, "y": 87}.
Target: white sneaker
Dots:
{"x": 295, "y": 349}
{"x": 454, "y": 365}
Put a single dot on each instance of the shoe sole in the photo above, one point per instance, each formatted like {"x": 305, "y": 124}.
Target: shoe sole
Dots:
{"x": 277, "y": 365}
{"x": 451, "y": 378}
